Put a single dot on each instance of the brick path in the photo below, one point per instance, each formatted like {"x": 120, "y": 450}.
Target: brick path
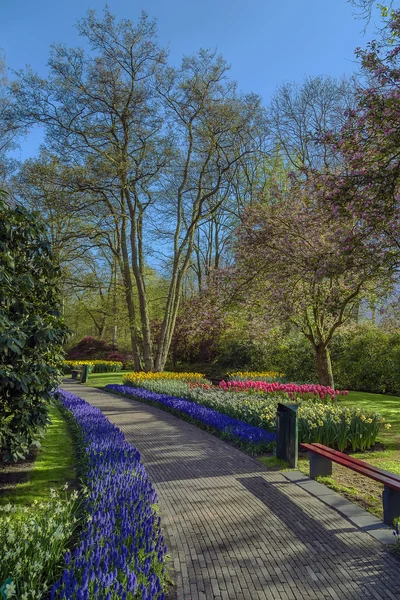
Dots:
{"x": 238, "y": 531}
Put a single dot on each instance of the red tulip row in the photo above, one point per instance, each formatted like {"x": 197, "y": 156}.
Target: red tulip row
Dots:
{"x": 291, "y": 389}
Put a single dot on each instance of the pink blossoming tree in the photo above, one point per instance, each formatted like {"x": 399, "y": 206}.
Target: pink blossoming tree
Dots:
{"x": 295, "y": 263}
{"x": 310, "y": 255}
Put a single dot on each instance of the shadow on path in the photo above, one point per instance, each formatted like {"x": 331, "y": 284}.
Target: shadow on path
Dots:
{"x": 370, "y": 571}
{"x": 170, "y": 451}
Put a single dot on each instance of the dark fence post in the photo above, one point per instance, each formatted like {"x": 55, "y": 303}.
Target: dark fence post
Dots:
{"x": 84, "y": 373}
{"x": 287, "y": 433}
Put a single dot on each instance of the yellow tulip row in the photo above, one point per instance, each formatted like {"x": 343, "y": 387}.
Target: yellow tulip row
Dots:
{"x": 255, "y": 375}
{"x": 95, "y": 366}
{"x": 91, "y": 363}
{"x": 137, "y": 377}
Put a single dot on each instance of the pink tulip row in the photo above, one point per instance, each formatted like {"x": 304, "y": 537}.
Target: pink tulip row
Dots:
{"x": 290, "y": 388}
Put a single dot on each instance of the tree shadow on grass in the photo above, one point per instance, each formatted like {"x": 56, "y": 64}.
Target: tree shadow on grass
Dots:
{"x": 51, "y": 466}
{"x": 13, "y": 473}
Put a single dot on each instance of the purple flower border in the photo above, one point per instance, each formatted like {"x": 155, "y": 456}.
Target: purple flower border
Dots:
{"x": 229, "y": 427}
{"x": 121, "y": 550}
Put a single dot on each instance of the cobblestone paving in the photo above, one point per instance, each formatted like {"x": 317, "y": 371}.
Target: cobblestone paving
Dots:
{"x": 238, "y": 531}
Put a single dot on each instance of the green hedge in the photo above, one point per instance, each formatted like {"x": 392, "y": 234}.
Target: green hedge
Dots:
{"x": 367, "y": 358}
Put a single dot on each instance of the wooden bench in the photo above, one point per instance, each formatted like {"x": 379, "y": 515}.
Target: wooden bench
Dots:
{"x": 321, "y": 458}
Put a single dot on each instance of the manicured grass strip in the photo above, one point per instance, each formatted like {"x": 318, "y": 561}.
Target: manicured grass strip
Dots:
{"x": 53, "y": 466}
{"x": 387, "y": 406}
{"x": 37, "y": 521}
{"x": 254, "y": 439}
{"x": 99, "y": 380}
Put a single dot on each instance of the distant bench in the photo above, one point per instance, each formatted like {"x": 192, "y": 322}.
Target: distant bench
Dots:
{"x": 84, "y": 373}
{"x": 321, "y": 458}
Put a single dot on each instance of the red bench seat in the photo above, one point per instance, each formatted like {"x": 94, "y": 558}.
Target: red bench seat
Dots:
{"x": 321, "y": 458}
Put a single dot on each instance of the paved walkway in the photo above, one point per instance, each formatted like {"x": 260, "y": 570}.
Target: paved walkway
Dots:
{"x": 238, "y": 531}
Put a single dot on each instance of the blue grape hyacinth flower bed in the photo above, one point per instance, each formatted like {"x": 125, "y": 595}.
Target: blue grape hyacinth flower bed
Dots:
{"x": 121, "y": 550}
{"x": 252, "y": 438}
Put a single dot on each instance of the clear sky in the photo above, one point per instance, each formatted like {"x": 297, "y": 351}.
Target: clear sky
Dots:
{"x": 266, "y": 41}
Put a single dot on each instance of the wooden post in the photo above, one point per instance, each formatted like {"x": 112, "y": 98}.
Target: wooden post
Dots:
{"x": 319, "y": 466}
{"x": 391, "y": 505}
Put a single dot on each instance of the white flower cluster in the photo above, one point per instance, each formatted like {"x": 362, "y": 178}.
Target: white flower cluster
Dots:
{"x": 32, "y": 543}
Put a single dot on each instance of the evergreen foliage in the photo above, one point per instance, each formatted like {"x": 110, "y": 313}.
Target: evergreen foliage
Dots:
{"x": 31, "y": 329}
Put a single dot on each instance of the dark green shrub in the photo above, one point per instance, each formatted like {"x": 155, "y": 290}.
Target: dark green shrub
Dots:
{"x": 91, "y": 348}
{"x": 235, "y": 353}
{"x": 367, "y": 358}
{"x": 31, "y": 329}
{"x": 289, "y": 353}
{"x": 293, "y": 355}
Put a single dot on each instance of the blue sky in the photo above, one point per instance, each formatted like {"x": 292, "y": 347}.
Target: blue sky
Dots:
{"x": 265, "y": 41}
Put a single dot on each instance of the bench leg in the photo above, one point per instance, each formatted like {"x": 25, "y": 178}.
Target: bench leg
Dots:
{"x": 320, "y": 466}
{"x": 391, "y": 505}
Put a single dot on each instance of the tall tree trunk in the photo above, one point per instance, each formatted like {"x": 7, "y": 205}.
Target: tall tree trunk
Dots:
{"x": 127, "y": 279}
{"x": 163, "y": 347}
{"x": 101, "y": 328}
{"x": 198, "y": 263}
{"x": 115, "y": 311}
{"x": 324, "y": 365}
{"x": 217, "y": 250}
{"x": 171, "y": 310}
{"x": 171, "y": 329}
{"x": 143, "y": 309}
{"x": 138, "y": 268}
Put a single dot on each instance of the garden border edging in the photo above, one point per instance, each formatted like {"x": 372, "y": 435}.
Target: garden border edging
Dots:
{"x": 358, "y": 517}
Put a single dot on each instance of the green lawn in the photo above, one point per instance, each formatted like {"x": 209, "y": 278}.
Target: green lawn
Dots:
{"x": 102, "y": 379}
{"x": 387, "y": 406}
{"x": 53, "y": 466}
